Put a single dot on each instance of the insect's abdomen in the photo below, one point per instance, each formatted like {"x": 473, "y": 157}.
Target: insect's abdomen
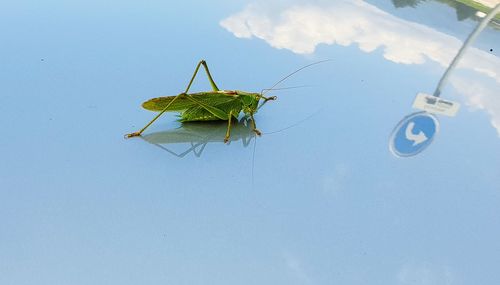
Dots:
{"x": 198, "y": 113}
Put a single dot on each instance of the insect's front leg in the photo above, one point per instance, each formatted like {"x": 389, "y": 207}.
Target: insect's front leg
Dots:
{"x": 272, "y": 98}
{"x": 254, "y": 126}
{"x": 228, "y": 132}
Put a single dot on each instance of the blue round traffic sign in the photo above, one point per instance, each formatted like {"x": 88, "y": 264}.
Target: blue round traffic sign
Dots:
{"x": 413, "y": 134}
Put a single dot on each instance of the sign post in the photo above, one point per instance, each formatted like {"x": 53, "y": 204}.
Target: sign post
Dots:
{"x": 415, "y": 132}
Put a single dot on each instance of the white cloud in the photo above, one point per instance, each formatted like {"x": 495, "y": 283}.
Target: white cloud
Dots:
{"x": 302, "y": 27}
{"x": 482, "y": 94}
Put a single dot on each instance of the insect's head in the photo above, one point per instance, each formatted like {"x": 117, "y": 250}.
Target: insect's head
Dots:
{"x": 250, "y": 102}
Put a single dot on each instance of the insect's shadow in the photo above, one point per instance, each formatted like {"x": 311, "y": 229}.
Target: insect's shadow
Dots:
{"x": 197, "y": 135}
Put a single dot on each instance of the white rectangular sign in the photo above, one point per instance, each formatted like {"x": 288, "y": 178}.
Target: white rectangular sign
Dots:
{"x": 436, "y": 105}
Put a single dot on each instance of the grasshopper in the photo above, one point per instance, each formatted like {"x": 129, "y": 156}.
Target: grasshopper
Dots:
{"x": 207, "y": 106}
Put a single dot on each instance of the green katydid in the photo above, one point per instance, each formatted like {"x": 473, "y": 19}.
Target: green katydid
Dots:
{"x": 210, "y": 105}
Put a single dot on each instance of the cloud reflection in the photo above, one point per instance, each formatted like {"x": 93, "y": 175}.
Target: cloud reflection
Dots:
{"x": 425, "y": 274}
{"x": 301, "y": 27}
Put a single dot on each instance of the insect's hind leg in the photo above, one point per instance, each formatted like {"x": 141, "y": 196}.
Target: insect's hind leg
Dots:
{"x": 214, "y": 87}
{"x": 136, "y": 134}
{"x": 210, "y": 79}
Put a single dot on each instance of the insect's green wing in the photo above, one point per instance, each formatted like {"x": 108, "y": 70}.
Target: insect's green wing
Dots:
{"x": 183, "y": 103}
{"x": 158, "y": 104}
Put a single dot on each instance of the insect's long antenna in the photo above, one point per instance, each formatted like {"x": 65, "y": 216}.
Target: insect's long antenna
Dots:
{"x": 274, "y": 89}
{"x": 283, "y": 88}
{"x": 293, "y": 125}
{"x": 274, "y": 132}
{"x": 286, "y": 77}
{"x": 253, "y": 160}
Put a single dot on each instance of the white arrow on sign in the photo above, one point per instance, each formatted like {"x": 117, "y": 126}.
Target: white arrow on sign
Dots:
{"x": 417, "y": 139}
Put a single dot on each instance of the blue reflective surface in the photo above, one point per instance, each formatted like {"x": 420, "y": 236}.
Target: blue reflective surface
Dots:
{"x": 318, "y": 199}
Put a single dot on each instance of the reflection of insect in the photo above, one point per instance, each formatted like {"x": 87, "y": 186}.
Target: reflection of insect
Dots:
{"x": 197, "y": 136}
{"x": 207, "y": 106}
